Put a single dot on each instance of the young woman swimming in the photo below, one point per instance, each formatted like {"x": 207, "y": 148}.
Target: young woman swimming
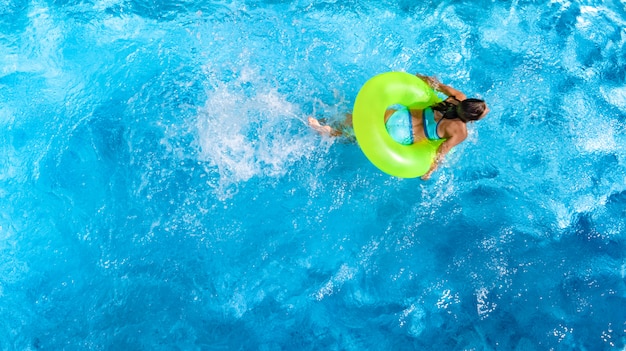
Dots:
{"x": 446, "y": 120}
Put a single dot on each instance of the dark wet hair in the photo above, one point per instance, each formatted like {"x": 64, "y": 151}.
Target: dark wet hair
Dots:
{"x": 466, "y": 110}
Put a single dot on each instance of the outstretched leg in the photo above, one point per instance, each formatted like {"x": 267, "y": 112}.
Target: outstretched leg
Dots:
{"x": 324, "y": 130}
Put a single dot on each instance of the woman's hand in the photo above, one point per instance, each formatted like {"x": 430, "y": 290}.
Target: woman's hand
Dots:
{"x": 432, "y": 168}
{"x": 427, "y": 176}
{"x": 433, "y": 82}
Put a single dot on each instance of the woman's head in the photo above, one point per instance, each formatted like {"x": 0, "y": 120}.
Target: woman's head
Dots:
{"x": 471, "y": 109}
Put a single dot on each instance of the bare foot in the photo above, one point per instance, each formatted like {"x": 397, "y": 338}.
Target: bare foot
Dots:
{"x": 324, "y": 130}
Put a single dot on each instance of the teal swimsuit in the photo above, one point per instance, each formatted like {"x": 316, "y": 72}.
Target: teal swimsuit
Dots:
{"x": 400, "y": 126}
{"x": 430, "y": 125}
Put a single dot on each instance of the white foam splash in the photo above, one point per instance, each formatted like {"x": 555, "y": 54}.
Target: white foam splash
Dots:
{"x": 243, "y": 135}
{"x": 483, "y": 306}
{"x": 447, "y": 298}
{"x": 344, "y": 274}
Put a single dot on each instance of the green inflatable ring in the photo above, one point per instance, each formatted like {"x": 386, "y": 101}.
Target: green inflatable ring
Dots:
{"x": 376, "y": 95}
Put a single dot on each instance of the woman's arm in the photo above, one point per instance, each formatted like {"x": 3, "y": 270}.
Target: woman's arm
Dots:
{"x": 434, "y": 83}
{"x": 459, "y": 133}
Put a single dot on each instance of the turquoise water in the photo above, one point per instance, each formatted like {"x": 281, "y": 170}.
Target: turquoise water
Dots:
{"x": 160, "y": 188}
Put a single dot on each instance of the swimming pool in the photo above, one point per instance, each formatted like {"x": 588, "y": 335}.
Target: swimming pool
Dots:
{"x": 161, "y": 189}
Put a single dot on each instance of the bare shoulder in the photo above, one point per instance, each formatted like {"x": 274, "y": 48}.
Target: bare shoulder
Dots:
{"x": 455, "y": 129}
{"x": 458, "y": 97}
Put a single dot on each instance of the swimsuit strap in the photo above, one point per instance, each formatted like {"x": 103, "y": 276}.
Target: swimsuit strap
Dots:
{"x": 430, "y": 125}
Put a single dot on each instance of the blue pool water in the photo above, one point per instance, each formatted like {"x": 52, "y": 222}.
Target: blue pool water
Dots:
{"x": 160, "y": 189}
